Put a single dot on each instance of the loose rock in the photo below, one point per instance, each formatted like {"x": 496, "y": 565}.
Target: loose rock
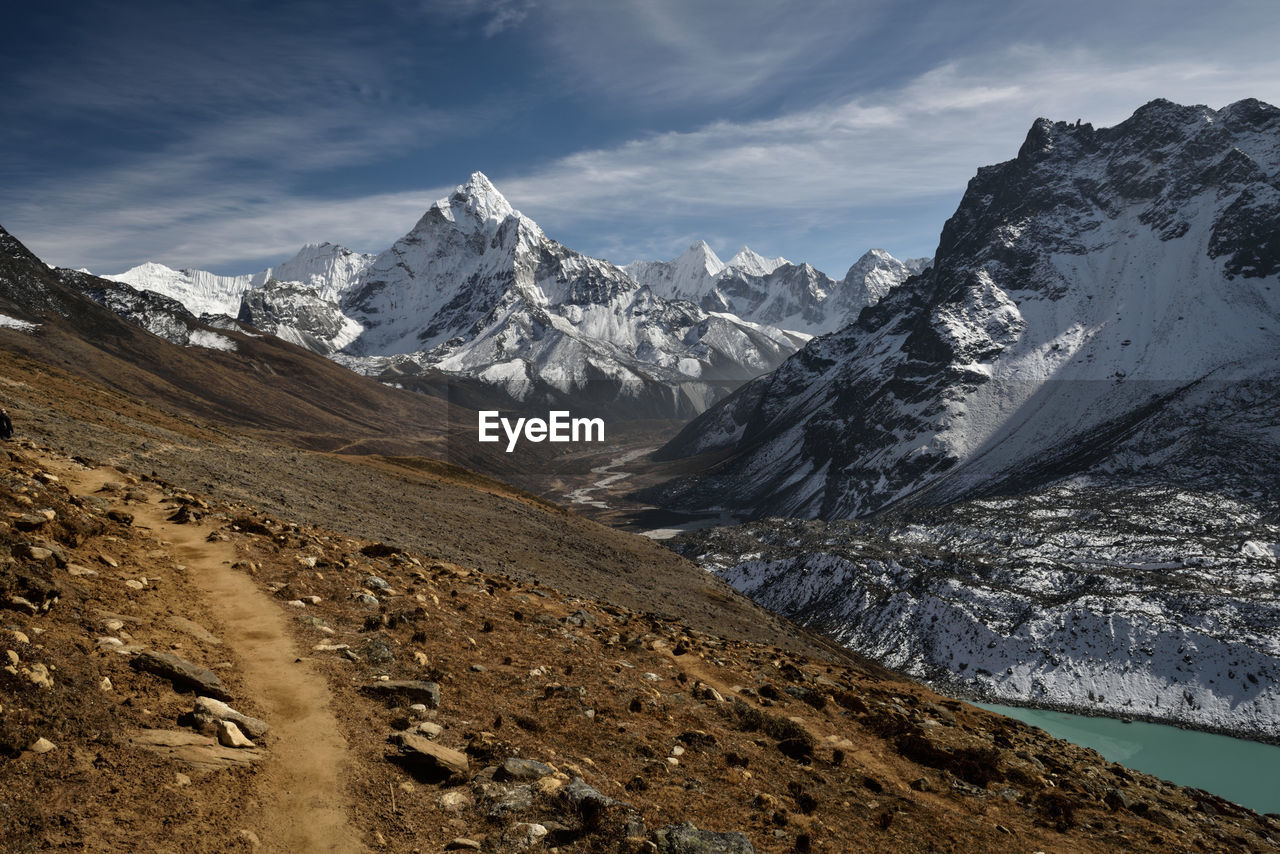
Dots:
{"x": 413, "y": 691}
{"x": 229, "y": 735}
{"x": 688, "y": 839}
{"x": 255, "y": 727}
{"x": 182, "y": 672}
{"x": 435, "y": 757}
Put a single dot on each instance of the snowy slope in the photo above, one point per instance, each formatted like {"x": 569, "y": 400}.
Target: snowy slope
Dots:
{"x": 1100, "y": 279}
{"x": 477, "y": 290}
{"x": 324, "y": 268}
{"x": 773, "y": 291}
{"x": 1151, "y": 601}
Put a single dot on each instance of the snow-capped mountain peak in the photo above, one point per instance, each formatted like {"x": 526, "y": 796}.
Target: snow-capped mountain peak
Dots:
{"x": 474, "y": 205}
{"x": 753, "y": 263}
{"x": 1074, "y": 313}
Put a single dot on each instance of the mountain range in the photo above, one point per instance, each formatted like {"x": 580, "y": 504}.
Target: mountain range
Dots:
{"x": 476, "y": 290}
{"x": 1048, "y": 464}
{"x": 1106, "y": 302}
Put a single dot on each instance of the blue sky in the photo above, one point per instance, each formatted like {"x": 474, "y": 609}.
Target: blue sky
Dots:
{"x": 226, "y": 135}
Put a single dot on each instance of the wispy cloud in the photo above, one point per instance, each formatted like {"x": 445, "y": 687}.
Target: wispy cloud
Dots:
{"x": 664, "y": 53}
{"x": 843, "y": 159}
{"x": 821, "y": 182}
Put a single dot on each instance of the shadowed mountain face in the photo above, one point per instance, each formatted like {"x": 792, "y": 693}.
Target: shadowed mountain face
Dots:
{"x": 167, "y": 356}
{"x": 1107, "y": 302}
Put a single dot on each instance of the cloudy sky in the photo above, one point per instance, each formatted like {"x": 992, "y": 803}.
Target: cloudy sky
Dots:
{"x": 225, "y": 135}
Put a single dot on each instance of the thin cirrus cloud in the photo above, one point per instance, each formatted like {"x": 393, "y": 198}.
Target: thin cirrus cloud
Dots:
{"x": 228, "y": 194}
{"x": 792, "y": 173}
{"x": 648, "y": 53}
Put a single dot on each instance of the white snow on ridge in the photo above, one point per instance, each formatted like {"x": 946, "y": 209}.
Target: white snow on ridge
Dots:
{"x": 7, "y": 322}
{"x": 210, "y": 340}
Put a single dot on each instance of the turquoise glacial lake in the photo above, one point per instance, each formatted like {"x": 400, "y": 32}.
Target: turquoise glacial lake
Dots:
{"x": 1245, "y": 772}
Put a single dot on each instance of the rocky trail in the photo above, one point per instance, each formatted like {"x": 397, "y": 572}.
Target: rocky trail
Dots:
{"x": 303, "y": 805}
{"x": 403, "y": 703}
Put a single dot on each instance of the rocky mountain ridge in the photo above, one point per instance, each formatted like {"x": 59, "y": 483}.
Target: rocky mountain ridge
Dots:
{"x": 775, "y": 291}
{"x": 1103, "y": 284}
{"x": 476, "y": 290}
{"x": 1049, "y": 462}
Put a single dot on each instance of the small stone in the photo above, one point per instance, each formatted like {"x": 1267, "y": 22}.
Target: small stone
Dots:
{"x": 251, "y": 839}
{"x": 462, "y": 844}
{"x": 1117, "y": 799}
{"x": 29, "y": 522}
{"x": 42, "y": 745}
{"x": 78, "y": 570}
{"x": 516, "y": 768}
{"x": 105, "y": 684}
{"x": 218, "y": 710}
{"x": 229, "y": 735}
{"x": 20, "y": 637}
{"x": 428, "y": 729}
{"x": 113, "y": 625}
{"x": 525, "y": 834}
{"x": 39, "y": 676}
{"x": 134, "y": 584}
{"x": 437, "y": 756}
{"x": 181, "y": 779}
{"x": 14, "y": 658}
{"x": 455, "y": 801}
{"x": 109, "y": 560}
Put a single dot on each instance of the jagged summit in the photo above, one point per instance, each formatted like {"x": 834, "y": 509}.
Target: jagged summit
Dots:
{"x": 753, "y": 263}
{"x": 477, "y": 203}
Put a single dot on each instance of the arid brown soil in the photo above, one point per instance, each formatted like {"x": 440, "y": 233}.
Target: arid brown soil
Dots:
{"x": 656, "y": 722}
{"x": 442, "y": 662}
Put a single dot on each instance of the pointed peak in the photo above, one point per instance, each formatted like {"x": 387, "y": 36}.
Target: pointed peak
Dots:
{"x": 873, "y": 258}
{"x": 753, "y": 263}
{"x": 701, "y": 256}
{"x": 475, "y": 203}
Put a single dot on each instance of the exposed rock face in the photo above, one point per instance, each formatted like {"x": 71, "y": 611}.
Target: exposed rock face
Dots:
{"x": 1065, "y": 429}
{"x": 1108, "y": 300}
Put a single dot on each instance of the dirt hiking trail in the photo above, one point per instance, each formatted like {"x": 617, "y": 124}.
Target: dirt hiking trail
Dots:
{"x": 301, "y": 805}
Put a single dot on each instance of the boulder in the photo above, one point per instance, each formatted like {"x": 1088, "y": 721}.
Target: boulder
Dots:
{"x": 182, "y": 673}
